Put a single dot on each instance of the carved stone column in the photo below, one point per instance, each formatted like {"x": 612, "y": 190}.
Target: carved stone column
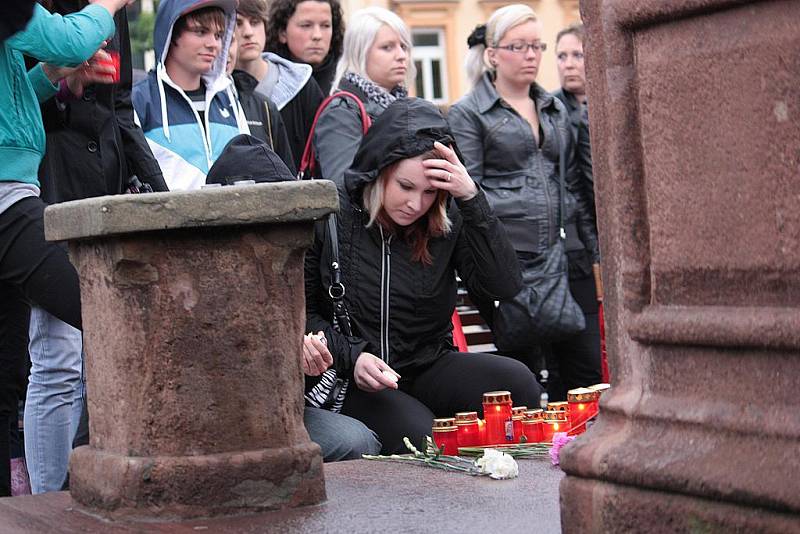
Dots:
{"x": 193, "y": 312}
{"x": 695, "y": 121}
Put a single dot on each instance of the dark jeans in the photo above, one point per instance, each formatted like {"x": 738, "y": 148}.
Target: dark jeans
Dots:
{"x": 454, "y": 383}
{"x": 31, "y": 270}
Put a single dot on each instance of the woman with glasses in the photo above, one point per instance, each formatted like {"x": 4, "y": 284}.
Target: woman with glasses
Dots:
{"x": 510, "y": 131}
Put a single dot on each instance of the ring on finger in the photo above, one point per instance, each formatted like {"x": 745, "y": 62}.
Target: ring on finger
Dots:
{"x": 449, "y": 176}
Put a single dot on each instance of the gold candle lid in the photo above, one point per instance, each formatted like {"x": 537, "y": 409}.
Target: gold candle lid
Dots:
{"x": 582, "y": 395}
{"x": 555, "y": 416}
{"x": 560, "y": 406}
{"x": 443, "y": 423}
{"x": 600, "y": 387}
{"x": 466, "y": 418}
{"x": 533, "y": 416}
{"x": 497, "y": 397}
{"x": 519, "y": 410}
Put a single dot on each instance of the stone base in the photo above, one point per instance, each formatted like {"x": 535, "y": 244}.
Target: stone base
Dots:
{"x": 363, "y": 497}
{"x": 594, "y": 506}
{"x": 182, "y": 487}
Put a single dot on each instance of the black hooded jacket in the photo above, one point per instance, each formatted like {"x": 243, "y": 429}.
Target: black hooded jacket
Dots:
{"x": 400, "y": 309}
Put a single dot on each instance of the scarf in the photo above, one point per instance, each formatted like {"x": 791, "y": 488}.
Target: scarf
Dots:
{"x": 374, "y": 92}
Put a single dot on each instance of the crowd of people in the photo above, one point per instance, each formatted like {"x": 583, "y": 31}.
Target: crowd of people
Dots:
{"x": 427, "y": 197}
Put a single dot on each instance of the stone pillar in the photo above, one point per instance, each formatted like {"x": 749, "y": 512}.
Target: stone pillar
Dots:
{"x": 193, "y": 314}
{"x": 695, "y": 122}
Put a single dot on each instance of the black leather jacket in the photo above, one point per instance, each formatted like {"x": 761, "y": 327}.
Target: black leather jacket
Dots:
{"x": 521, "y": 178}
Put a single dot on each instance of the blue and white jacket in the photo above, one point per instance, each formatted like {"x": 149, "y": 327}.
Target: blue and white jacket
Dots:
{"x": 184, "y": 148}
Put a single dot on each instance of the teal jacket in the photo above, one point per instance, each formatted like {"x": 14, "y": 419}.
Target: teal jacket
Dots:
{"x": 54, "y": 39}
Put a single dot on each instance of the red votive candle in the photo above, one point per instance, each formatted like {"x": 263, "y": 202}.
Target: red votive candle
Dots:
{"x": 517, "y": 414}
{"x": 582, "y": 407}
{"x": 562, "y": 407}
{"x": 445, "y": 435}
{"x": 468, "y": 429}
{"x": 554, "y": 421}
{"x": 532, "y": 423}
{"x": 481, "y": 432}
{"x": 600, "y": 389}
{"x": 497, "y": 412}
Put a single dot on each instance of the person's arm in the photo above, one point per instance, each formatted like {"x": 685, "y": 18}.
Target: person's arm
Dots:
{"x": 584, "y": 155}
{"x": 138, "y": 155}
{"x": 483, "y": 255}
{"x": 468, "y": 132}
{"x": 336, "y": 139}
{"x": 65, "y": 40}
{"x": 585, "y": 216}
{"x": 59, "y": 40}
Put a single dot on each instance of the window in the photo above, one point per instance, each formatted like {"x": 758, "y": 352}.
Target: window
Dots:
{"x": 429, "y": 58}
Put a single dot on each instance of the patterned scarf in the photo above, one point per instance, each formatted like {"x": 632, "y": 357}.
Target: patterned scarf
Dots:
{"x": 374, "y": 92}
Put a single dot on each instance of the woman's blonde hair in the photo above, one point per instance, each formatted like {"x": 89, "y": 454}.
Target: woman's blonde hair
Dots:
{"x": 499, "y": 23}
{"x": 362, "y": 28}
{"x": 435, "y": 223}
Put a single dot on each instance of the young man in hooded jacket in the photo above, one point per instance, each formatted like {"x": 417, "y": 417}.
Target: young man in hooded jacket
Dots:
{"x": 186, "y": 105}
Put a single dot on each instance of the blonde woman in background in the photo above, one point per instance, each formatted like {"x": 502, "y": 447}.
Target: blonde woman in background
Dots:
{"x": 510, "y": 131}
{"x": 375, "y": 66}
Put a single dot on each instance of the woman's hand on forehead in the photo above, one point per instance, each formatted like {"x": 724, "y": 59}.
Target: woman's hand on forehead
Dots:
{"x": 449, "y": 174}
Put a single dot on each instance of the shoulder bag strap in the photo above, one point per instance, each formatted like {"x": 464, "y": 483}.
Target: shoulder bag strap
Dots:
{"x": 336, "y": 289}
{"x": 308, "y": 160}
{"x": 561, "y": 181}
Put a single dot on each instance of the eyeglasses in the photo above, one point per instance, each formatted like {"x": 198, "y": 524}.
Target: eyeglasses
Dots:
{"x": 520, "y": 48}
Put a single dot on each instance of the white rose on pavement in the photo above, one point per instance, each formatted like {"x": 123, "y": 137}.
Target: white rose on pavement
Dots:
{"x": 497, "y": 464}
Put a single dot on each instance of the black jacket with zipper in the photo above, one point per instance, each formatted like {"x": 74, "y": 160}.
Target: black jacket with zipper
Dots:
{"x": 400, "y": 310}
{"x": 93, "y": 144}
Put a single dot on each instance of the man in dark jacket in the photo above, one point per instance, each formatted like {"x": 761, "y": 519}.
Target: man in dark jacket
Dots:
{"x": 93, "y": 149}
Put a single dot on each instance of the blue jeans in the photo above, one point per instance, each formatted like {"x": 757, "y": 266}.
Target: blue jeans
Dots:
{"x": 54, "y": 401}
{"x": 339, "y": 436}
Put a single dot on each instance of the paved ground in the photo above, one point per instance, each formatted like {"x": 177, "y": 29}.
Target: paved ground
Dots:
{"x": 363, "y": 497}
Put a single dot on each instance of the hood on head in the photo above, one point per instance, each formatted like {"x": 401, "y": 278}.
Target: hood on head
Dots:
{"x": 169, "y": 11}
{"x": 406, "y": 129}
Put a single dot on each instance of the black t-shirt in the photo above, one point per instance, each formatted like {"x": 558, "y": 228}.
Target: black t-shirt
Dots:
{"x": 198, "y": 98}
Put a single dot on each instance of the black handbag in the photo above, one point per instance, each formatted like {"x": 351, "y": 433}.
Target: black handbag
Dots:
{"x": 330, "y": 391}
{"x": 544, "y": 310}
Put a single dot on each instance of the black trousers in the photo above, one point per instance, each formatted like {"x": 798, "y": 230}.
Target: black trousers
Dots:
{"x": 454, "y": 383}
{"x": 31, "y": 271}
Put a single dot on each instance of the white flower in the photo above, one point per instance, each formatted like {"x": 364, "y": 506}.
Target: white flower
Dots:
{"x": 497, "y": 464}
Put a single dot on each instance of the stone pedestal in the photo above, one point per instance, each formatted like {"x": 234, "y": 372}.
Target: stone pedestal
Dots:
{"x": 696, "y": 141}
{"x": 193, "y": 313}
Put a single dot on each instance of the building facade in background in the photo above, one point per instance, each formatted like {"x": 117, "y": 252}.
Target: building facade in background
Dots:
{"x": 439, "y": 29}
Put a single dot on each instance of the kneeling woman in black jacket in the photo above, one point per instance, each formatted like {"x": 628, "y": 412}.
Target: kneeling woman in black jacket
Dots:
{"x": 401, "y": 241}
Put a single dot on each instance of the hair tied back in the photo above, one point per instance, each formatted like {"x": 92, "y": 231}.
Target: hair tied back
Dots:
{"x": 478, "y": 36}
